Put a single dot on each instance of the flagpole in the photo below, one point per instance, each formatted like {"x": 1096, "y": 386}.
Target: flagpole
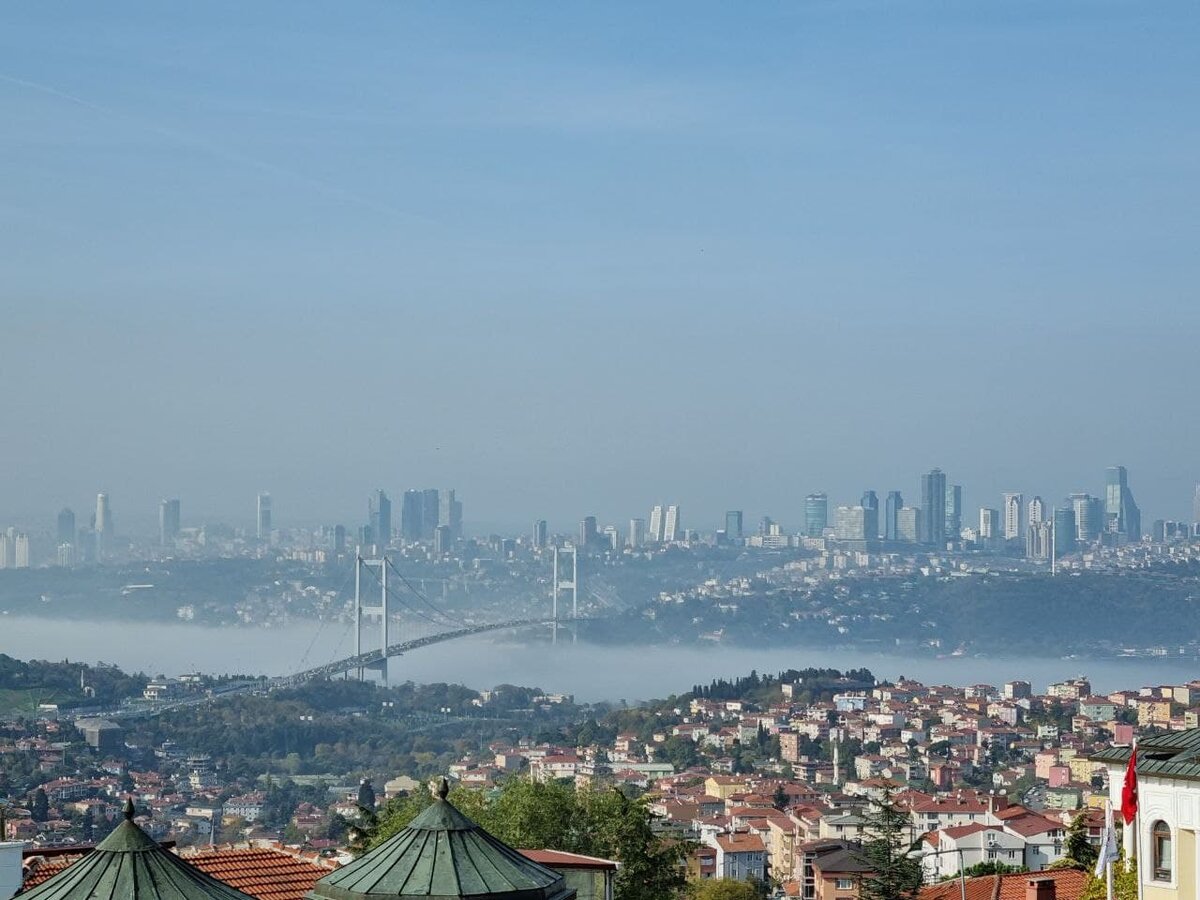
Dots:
{"x": 1108, "y": 866}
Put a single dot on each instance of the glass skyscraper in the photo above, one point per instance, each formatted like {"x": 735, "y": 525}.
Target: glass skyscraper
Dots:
{"x": 933, "y": 507}
{"x": 1122, "y": 515}
{"x": 816, "y": 514}
{"x": 891, "y": 514}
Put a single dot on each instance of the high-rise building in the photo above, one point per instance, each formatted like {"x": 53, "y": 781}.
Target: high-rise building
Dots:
{"x": 410, "y": 516}
{"x": 66, "y": 526}
{"x": 933, "y": 508}
{"x": 8, "y": 548}
{"x": 733, "y": 525}
{"x": 103, "y": 526}
{"x": 443, "y": 540}
{"x": 1037, "y": 511}
{"x": 168, "y": 522}
{"x": 989, "y": 523}
{"x": 379, "y": 514}
{"x": 65, "y": 557}
{"x": 339, "y": 540}
{"x": 430, "y": 510}
{"x": 816, "y": 514}
{"x": 263, "y": 530}
{"x": 612, "y": 537}
{"x": 541, "y": 534}
{"x": 637, "y": 533}
{"x": 587, "y": 532}
{"x": 1064, "y": 535}
{"x": 1038, "y": 540}
{"x": 1014, "y": 516}
{"x": 656, "y": 525}
{"x": 910, "y": 524}
{"x": 870, "y": 505}
{"x": 21, "y": 551}
{"x": 891, "y": 510}
{"x": 450, "y": 513}
{"x": 954, "y": 509}
{"x": 1089, "y": 518}
{"x": 850, "y": 523}
{"x": 1122, "y": 516}
{"x": 671, "y": 525}
{"x": 1196, "y": 505}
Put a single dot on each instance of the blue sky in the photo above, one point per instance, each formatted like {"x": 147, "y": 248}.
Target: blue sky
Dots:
{"x": 581, "y": 258}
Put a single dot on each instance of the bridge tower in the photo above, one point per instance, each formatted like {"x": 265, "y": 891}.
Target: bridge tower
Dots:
{"x": 363, "y": 611}
{"x": 563, "y": 583}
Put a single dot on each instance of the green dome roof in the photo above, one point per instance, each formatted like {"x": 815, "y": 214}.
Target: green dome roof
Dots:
{"x": 130, "y": 865}
{"x": 442, "y": 855}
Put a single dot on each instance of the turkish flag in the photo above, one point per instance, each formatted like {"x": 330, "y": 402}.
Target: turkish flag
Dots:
{"x": 1129, "y": 793}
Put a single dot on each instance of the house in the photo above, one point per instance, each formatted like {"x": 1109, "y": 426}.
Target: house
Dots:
{"x": 832, "y": 870}
{"x": 742, "y": 857}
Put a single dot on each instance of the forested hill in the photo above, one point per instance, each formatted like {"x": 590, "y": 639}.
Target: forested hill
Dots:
{"x": 23, "y": 685}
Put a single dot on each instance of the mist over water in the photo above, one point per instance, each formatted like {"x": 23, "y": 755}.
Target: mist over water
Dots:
{"x": 591, "y": 672}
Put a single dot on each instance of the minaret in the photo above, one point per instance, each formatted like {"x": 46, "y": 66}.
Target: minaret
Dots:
{"x": 837, "y": 766}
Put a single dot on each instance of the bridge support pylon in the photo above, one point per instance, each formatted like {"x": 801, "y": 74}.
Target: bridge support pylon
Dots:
{"x": 364, "y": 611}
{"x": 562, "y": 583}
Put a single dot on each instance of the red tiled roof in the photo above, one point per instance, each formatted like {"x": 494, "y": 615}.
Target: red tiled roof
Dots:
{"x": 556, "y": 859}
{"x": 264, "y": 873}
{"x": 1069, "y": 884}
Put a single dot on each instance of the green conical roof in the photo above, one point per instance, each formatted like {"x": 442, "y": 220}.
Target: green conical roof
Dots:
{"x": 442, "y": 855}
{"x": 130, "y": 865}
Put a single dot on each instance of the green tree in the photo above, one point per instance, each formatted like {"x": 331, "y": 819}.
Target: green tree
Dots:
{"x": 41, "y": 806}
{"x": 650, "y": 868}
{"x": 725, "y": 889}
{"x": 893, "y": 875}
{"x": 780, "y": 798}
{"x": 1080, "y": 852}
{"x": 988, "y": 867}
{"x": 1125, "y": 883}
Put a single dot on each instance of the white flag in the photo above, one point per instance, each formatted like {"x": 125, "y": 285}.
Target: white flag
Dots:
{"x": 1108, "y": 843}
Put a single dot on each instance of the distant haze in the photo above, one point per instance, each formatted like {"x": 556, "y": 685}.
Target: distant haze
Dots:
{"x": 577, "y": 260}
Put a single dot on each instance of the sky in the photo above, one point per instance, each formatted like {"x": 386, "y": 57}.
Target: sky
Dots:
{"x": 578, "y": 259}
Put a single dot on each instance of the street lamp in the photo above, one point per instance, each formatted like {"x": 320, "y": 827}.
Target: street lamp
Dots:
{"x": 922, "y": 853}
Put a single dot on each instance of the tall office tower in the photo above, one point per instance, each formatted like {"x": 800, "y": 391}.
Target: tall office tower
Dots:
{"x": 103, "y": 526}
{"x": 816, "y": 514}
{"x": 1037, "y": 540}
{"x": 21, "y": 554}
{"x": 1064, "y": 536}
{"x": 1014, "y": 516}
{"x": 1089, "y": 517}
{"x": 733, "y": 525}
{"x": 1122, "y": 515}
{"x": 656, "y": 525}
{"x": 443, "y": 540}
{"x": 541, "y": 534}
{"x": 933, "y": 508}
{"x": 989, "y": 523}
{"x": 671, "y": 525}
{"x": 7, "y": 548}
{"x": 66, "y": 526}
{"x": 65, "y": 557}
{"x": 263, "y": 531}
{"x": 379, "y": 512}
{"x": 891, "y": 510}
{"x": 587, "y": 531}
{"x": 1037, "y": 511}
{"x": 953, "y": 511}
{"x": 168, "y": 522}
{"x": 450, "y": 513}
{"x": 637, "y": 533}
{"x": 339, "y": 540}
{"x": 850, "y": 523}
{"x": 430, "y": 510}
{"x": 870, "y": 505}
{"x": 909, "y": 525}
{"x": 410, "y": 516}
{"x": 1196, "y": 505}
{"x": 612, "y": 537}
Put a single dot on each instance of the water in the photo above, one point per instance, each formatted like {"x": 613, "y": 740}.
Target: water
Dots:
{"x": 590, "y": 672}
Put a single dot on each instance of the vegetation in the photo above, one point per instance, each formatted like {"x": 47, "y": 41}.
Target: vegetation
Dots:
{"x": 23, "y": 685}
{"x": 893, "y": 875}
{"x": 1080, "y": 852}
{"x": 726, "y": 889}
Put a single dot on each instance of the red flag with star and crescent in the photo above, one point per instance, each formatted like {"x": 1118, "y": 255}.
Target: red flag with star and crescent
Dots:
{"x": 1129, "y": 793}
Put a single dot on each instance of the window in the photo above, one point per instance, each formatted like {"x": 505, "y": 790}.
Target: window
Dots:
{"x": 845, "y": 884}
{"x": 1160, "y": 845}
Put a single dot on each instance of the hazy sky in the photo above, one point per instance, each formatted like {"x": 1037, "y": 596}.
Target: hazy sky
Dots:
{"x": 580, "y": 258}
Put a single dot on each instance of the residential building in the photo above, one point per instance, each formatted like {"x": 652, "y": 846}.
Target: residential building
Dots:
{"x": 656, "y": 524}
{"x": 637, "y": 533}
{"x": 1037, "y": 511}
{"x": 953, "y": 511}
{"x": 1014, "y": 516}
{"x": 671, "y": 525}
{"x": 742, "y": 857}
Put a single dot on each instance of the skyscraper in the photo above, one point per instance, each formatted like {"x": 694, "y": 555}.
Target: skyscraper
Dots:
{"x": 849, "y": 523}
{"x": 870, "y": 505}
{"x": 1064, "y": 535}
{"x": 933, "y": 507}
{"x": 989, "y": 523}
{"x": 1037, "y": 511}
{"x": 1196, "y": 505}
{"x": 263, "y": 530}
{"x": 410, "y": 516}
{"x": 587, "y": 532}
{"x": 168, "y": 522}
{"x": 612, "y": 537}
{"x": 816, "y": 514}
{"x": 1089, "y": 517}
{"x": 21, "y": 551}
{"x": 891, "y": 511}
{"x": 656, "y": 525}
{"x": 379, "y": 513}
{"x": 66, "y": 526}
{"x": 1014, "y": 516}
{"x": 1037, "y": 540}
{"x": 104, "y": 526}
{"x": 430, "y": 511}
{"x": 450, "y": 513}
{"x": 637, "y": 533}
{"x": 671, "y": 525}
{"x": 953, "y": 511}
{"x": 909, "y": 522}
{"x": 733, "y": 525}
{"x": 541, "y": 534}
{"x": 443, "y": 540}
{"x": 1121, "y": 514}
